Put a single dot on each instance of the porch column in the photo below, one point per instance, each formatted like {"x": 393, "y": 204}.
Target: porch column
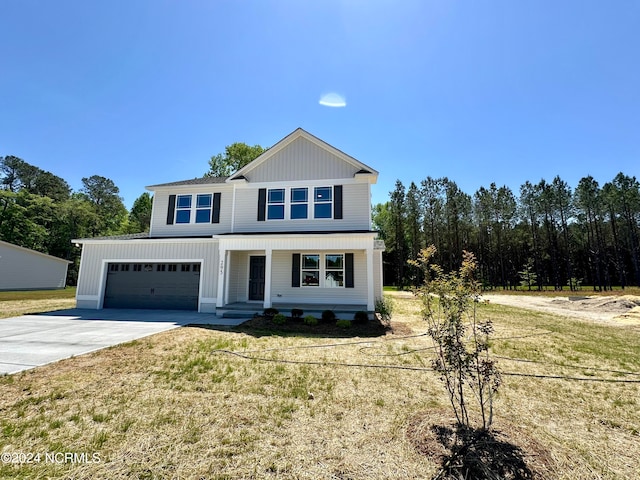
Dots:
{"x": 370, "y": 293}
{"x": 227, "y": 276}
{"x": 267, "y": 278}
{"x": 222, "y": 256}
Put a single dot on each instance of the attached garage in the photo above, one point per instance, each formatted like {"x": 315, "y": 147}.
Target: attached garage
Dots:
{"x": 166, "y": 286}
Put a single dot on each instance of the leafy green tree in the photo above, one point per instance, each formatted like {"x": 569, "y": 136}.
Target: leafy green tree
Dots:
{"x": 398, "y": 246}
{"x": 588, "y": 200}
{"x": 25, "y": 219}
{"x": 527, "y": 275}
{"x": 103, "y": 194}
{"x": 461, "y": 341}
{"x": 140, "y": 214}
{"x": 235, "y": 156}
{"x": 49, "y": 185}
{"x": 626, "y": 195}
{"x": 413, "y": 228}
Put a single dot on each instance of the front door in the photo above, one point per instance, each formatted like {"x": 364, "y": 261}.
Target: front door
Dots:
{"x": 256, "y": 277}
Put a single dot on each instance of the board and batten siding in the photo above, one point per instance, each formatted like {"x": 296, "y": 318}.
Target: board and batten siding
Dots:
{"x": 355, "y": 211}
{"x": 95, "y": 256}
{"x": 25, "y": 269}
{"x": 301, "y": 160}
{"x": 239, "y": 277}
{"x": 282, "y": 291}
{"x": 159, "y": 227}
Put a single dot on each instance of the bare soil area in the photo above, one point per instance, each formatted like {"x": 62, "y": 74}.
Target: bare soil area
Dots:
{"x": 622, "y": 310}
{"x": 612, "y": 310}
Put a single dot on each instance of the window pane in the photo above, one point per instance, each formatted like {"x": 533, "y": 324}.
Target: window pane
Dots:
{"x": 334, "y": 279}
{"x": 275, "y": 212}
{"x": 183, "y": 216}
{"x": 310, "y": 278}
{"x": 298, "y": 195}
{"x": 204, "y": 201}
{"x": 311, "y": 261}
{"x": 323, "y": 194}
{"x": 333, "y": 262}
{"x": 184, "y": 201}
{"x": 203, "y": 216}
{"x": 298, "y": 211}
{"x": 322, "y": 210}
{"x": 276, "y": 195}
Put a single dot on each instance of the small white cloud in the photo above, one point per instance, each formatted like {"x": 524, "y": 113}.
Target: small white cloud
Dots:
{"x": 333, "y": 100}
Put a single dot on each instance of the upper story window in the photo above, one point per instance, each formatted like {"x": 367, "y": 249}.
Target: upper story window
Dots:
{"x": 322, "y": 202}
{"x": 275, "y": 204}
{"x": 200, "y": 208}
{"x": 299, "y": 203}
{"x": 183, "y": 209}
{"x": 203, "y": 208}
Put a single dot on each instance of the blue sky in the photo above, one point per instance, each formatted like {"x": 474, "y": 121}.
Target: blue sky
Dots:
{"x": 145, "y": 92}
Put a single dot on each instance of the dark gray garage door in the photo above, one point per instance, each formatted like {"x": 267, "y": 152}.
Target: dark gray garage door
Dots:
{"x": 168, "y": 286}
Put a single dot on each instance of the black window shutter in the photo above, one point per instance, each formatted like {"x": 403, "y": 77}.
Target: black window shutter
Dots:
{"x": 215, "y": 215}
{"x": 262, "y": 204}
{"x": 337, "y": 202}
{"x": 295, "y": 270}
{"x": 348, "y": 270}
{"x": 171, "y": 210}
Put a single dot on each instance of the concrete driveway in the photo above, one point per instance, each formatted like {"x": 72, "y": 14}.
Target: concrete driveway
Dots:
{"x": 33, "y": 340}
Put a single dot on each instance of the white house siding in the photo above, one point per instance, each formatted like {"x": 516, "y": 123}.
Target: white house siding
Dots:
{"x": 95, "y": 256}
{"x": 159, "y": 227}
{"x": 301, "y": 160}
{"x": 25, "y": 269}
{"x": 355, "y": 208}
{"x": 282, "y": 291}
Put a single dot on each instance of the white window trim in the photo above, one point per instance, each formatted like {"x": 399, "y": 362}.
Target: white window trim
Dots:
{"x": 322, "y": 270}
{"x": 311, "y": 202}
{"x": 193, "y": 210}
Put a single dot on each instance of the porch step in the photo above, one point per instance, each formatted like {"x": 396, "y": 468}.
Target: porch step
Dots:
{"x": 247, "y": 314}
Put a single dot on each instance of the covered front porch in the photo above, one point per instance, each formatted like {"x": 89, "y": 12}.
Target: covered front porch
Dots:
{"x": 249, "y": 309}
{"x": 272, "y": 270}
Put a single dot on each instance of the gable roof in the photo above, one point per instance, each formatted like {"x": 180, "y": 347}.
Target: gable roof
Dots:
{"x": 300, "y": 133}
{"x": 193, "y": 181}
{"x": 33, "y": 252}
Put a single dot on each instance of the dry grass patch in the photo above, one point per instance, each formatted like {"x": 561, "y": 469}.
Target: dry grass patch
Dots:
{"x": 175, "y": 406}
{"x": 17, "y": 303}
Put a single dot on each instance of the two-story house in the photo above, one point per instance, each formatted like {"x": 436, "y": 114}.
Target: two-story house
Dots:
{"x": 291, "y": 227}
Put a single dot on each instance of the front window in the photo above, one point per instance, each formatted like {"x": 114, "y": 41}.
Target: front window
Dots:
{"x": 299, "y": 203}
{"x": 183, "y": 209}
{"x": 275, "y": 204}
{"x": 310, "y": 271}
{"x": 322, "y": 202}
{"x": 334, "y": 271}
{"x": 203, "y": 208}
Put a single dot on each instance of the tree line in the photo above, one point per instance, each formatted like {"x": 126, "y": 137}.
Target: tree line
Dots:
{"x": 38, "y": 210}
{"x": 547, "y": 235}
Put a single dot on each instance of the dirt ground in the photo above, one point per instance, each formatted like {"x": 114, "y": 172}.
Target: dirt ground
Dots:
{"x": 622, "y": 310}
{"x": 616, "y": 310}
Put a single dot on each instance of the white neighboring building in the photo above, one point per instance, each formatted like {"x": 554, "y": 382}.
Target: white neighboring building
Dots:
{"x": 25, "y": 269}
{"x": 291, "y": 227}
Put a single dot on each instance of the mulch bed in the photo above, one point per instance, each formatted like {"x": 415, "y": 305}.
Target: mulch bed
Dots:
{"x": 296, "y": 326}
{"x": 505, "y": 452}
